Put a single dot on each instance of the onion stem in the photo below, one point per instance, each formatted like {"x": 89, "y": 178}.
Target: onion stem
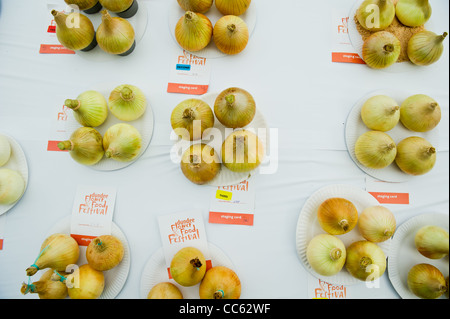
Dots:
{"x": 196, "y": 263}
{"x": 230, "y": 99}
{"x": 231, "y": 27}
{"x": 189, "y": 114}
{"x": 389, "y": 48}
{"x": 335, "y": 253}
{"x": 126, "y": 93}
{"x": 365, "y": 261}
{"x": 219, "y": 294}
{"x": 72, "y": 104}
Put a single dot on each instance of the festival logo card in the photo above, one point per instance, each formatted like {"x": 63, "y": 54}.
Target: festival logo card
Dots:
{"x": 92, "y": 213}
{"x": 388, "y": 193}
{"x": 58, "y": 130}
{"x": 319, "y": 289}
{"x": 342, "y": 49}
{"x": 183, "y": 229}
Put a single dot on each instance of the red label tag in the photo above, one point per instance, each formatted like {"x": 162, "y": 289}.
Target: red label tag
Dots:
{"x": 187, "y": 88}
{"x": 54, "y": 49}
{"x": 231, "y": 218}
{"x": 391, "y": 198}
{"x": 83, "y": 240}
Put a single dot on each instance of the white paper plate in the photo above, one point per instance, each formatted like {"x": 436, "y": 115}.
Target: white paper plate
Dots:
{"x": 308, "y": 227}
{"x": 258, "y": 126}
{"x": 357, "y": 42}
{"x": 114, "y": 278}
{"x": 144, "y": 125}
{"x": 17, "y": 162}
{"x": 404, "y": 254}
{"x": 355, "y": 127}
{"x": 155, "y": 271}
{"x": 211, "y": 51}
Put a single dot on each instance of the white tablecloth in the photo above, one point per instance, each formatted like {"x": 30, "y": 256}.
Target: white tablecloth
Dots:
{"x": 286, "y": 66}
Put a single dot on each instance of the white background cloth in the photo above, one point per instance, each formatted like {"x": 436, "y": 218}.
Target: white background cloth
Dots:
{"x": 286, "y": 66}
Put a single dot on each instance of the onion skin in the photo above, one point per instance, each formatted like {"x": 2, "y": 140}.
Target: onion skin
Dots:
{"x": 385, "y": 17}
{"x": 432, "y": 242}
{"x": 234, "y": 7}
{"x": 127, "y": 102}
{"x": 104, "y": 252}
{"x": 381, "y": 50}
{"x": 88, "y": 283}
{"x": 230, "y": 34}
{"x": 85, "y": 146}
{"x": 191, "y": 118}
{"x": 74, "y": 38}
{"x": 365, "y": 260}
{"x": 46, "y": 288}
{"x": 90, "y": 108}
{"x": 122, "y": 142}
{"x": 235, "y": 107}
{"x": 200, "y": 6}
{"x": 12, "y": 186}
{"x": 220, "y": 283}
{"x": 425, "y": 47}
{"x": 242, "y": 151}
{"x": 415, "y": 156}
{"x": 337, "y": 216}
{"x": 165, "y": 290}
{"x": 420, "y": 113}
{"x": 413, "y": 13}
{"x": 375, "y": 149}
{"x": 377, "y": 224}
{"x": 200, "y": 164}
{"x": 193, "y": 31}
{"x": 326, "y": 254}
{"x": 380, "y": 113}
{"x": 188, "y": 266}
{"x": 426, "y": 281}
{"x": 115, "y": 35}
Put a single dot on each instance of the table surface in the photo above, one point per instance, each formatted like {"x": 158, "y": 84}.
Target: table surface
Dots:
{"x": 303, "y": 95}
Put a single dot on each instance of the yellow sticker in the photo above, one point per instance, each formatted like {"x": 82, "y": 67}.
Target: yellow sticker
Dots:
{"x": 220, "y": 194}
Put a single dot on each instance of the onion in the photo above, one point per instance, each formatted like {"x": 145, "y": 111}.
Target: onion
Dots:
{"x": 230, "y": 34}
{"x": 235, "y": 107}
{"x": 193, "y": 31}
{"x": 426, "y": 281}
{"x": 377, "y": 224}
{"x": 127, "y": 102}
{"x": 12, "y": 186}
{"x": 84, "y": 146}
{"x": 365, "y": 260}
{"x": 200, "y": 163}
{"x": 242, "y": 151}
{"x": 337, "y": 216}
{"x": 432, "y": 241}
{"x": 165, "y": 290}
{"x": 201, "y": 6}
{"x": 123, "y": 8}
{"x": 376, "y": 15}
{"x": 413, "y": 13}
{"x": 380, "y": 113}
{"x": 122, "y": 142}
{"x": 425, "y": 47}
{"x": 381, "y": 50}
{"x": 191, "y": 118}
{"x": 234, "y": 7}
{"x": 88, "y": 6}
{"x": 5, "y": 150}
{"x": 326, "y": 254}
{"x": 104, "y": 252}
{"x": 85, "y": 283}
{"x": 115, "y": 35}
{"x": 420, "y": 113}
{"x": 188, "y": 266}
{"x": 375, "y": 149}
{"x": 415, "y": 155}
{"x": 46, "y": 288}
{"x": 57, "y": 252}
{"x": 220, "y": 283}
{"x": 90, "y": 108}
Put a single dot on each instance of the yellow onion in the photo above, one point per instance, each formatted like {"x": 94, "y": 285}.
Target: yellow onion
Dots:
{"x": 420, "y": 113}
{"x": 376, "y": 15}
{"x": 90, "y": 108}
{"x": 413, "y": 13}
{"x": 415, "y": 155}
{"x": 200, "y": 6}
{"x": 165, "y": 290}
{"x": 375, "y": 149}
{"x": 5, "y": 150}
{"x": 220, "y": 283}
{"x": 127, "y": 102}
{"x": 425, "y": 47}
{"x": 200, "y": 163}
{"x": 104, "y": 252}
{"x": 191, "y": 118}
{"x": 12, "y": 186}
{"x": 122, "y": 142}
{"x": 426, "y": 281}
{"x": 85, "y": 146}
{"x": 380, "y": 113}
{"x": 234, "y": 7}
{"x": 326, "y": 254}
{"x": 376, "y": 224}
{"x": 193, "y": 31}
{"x": 365, "y": 260}
{"x": 85, "y": 283}
{"x": 123, "y": 8}
{"x": 74, "y": 31}
{"x": 235, "y": 107}
{"x": 337, "y": 216}
{"x": 381, "y": 50}
{"x": 242, "y": 151}
{"x": 188, "y": 266}
{"x": 432, "y": 241}
{"x": 46, "y": 288}
{"x": 88, "y": 6}
{"x": 115, "y": 35}
{"x": 57, "y": 252}
{"x": 230, "y": 34}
